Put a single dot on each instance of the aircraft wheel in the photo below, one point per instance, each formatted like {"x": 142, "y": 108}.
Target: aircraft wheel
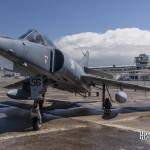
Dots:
{"x": 41, "y": 102}
{"x": 36, "y": 123}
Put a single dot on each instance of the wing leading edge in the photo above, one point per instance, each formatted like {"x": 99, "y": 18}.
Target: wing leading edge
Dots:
{"x": 93, "y": 80}
{"x": 98, "y": 73}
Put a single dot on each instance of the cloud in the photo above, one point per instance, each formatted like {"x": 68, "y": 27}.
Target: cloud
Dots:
{"x": 117, "y": 46}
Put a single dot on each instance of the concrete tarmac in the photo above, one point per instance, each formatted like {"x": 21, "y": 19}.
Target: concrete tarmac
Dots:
{"x": 74, "y": 123}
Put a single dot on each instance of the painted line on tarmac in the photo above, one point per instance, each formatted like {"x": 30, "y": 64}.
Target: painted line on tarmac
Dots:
{"x": 2, "y": 92}
{"x": 3, "y": 97}
{"x": 40, "y": 132}
{"x": 122, "y": 127}
{"x": 110, "y": 124}
{"x": 124, "y": 119}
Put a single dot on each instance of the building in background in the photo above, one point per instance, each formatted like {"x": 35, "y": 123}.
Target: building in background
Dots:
{"x": 142, "y": 61}
{"x": 8, "y": 73}
{"x": 139, "y": 71}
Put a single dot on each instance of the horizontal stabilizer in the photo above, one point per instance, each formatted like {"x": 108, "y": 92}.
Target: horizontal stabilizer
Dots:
{"x": 85, "y": 59}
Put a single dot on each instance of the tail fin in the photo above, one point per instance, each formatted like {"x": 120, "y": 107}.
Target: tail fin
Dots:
{"x": 85, "y": 59}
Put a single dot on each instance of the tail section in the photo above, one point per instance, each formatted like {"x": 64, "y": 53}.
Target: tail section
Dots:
{"x": 85, "y": 59}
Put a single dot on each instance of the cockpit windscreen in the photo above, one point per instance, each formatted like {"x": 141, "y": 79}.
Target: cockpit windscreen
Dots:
{"x": 36, "y": 37}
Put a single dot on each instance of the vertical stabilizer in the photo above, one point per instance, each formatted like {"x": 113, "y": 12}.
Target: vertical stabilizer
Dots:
{"x": 85, "y": 59}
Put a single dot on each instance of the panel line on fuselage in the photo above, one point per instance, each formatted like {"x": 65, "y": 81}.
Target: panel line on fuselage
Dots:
{"x": 51, "y": 58}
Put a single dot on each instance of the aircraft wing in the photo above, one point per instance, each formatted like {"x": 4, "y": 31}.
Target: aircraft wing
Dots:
{"x": 17, "y": 84}
{"x": 93, "y": 80}
{"x": 98, "y": 73}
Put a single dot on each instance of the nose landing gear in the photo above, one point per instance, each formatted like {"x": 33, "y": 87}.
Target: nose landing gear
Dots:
{"x": 36, "y": 116}
{"x": 38, "y": 90}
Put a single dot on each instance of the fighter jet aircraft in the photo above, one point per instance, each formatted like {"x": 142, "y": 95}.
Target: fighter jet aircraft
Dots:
{"x": 45, "y": 65}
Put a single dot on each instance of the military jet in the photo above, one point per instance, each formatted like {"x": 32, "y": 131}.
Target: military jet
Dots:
{"x": 43, "y": 64}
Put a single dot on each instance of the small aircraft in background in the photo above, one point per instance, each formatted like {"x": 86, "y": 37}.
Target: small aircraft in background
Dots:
{"x": 43, "y": 64}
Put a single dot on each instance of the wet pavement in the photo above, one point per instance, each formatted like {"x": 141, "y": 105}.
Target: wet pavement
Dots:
{"x": 74, "y": 123}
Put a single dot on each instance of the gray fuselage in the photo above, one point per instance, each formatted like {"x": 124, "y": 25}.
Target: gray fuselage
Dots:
{"x": 37, "y": 59}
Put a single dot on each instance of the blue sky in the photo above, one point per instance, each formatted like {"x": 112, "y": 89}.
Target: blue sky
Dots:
{"x": 57, "y": 18}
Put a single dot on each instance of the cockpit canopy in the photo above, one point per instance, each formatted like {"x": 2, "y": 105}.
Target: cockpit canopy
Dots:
{"x": 36, "y": 37}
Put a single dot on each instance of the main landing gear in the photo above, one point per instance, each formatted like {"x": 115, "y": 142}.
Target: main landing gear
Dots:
{"x": 38, "y": 90}
{"x": 106, "y": 103}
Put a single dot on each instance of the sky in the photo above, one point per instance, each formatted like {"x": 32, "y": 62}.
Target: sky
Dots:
{"x": 58, "y": 18}
{"x": 114, "y": 31}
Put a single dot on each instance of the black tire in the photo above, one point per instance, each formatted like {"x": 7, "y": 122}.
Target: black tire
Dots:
{"x": 36, "y": 123}
{"x": 41, "y": 106}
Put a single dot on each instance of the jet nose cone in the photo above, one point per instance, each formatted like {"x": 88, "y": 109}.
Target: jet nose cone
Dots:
{"x": 5, "y": 44}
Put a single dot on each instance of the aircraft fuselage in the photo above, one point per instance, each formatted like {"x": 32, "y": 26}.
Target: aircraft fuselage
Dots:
{"x": 60, "y": 68}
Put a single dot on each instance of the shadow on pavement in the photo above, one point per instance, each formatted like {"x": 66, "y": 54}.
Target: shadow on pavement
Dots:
{"x": 16, "y": 116}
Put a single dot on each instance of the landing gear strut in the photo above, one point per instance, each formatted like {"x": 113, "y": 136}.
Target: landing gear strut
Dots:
{"x": 106, "y": 104}
{"x": 38, "y": 90}
{"x": 36, "y": 116}
{"x": 103, "y": 95}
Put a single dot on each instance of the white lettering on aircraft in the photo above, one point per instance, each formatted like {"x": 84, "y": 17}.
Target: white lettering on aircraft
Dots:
{"x": 46, "y": 59}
